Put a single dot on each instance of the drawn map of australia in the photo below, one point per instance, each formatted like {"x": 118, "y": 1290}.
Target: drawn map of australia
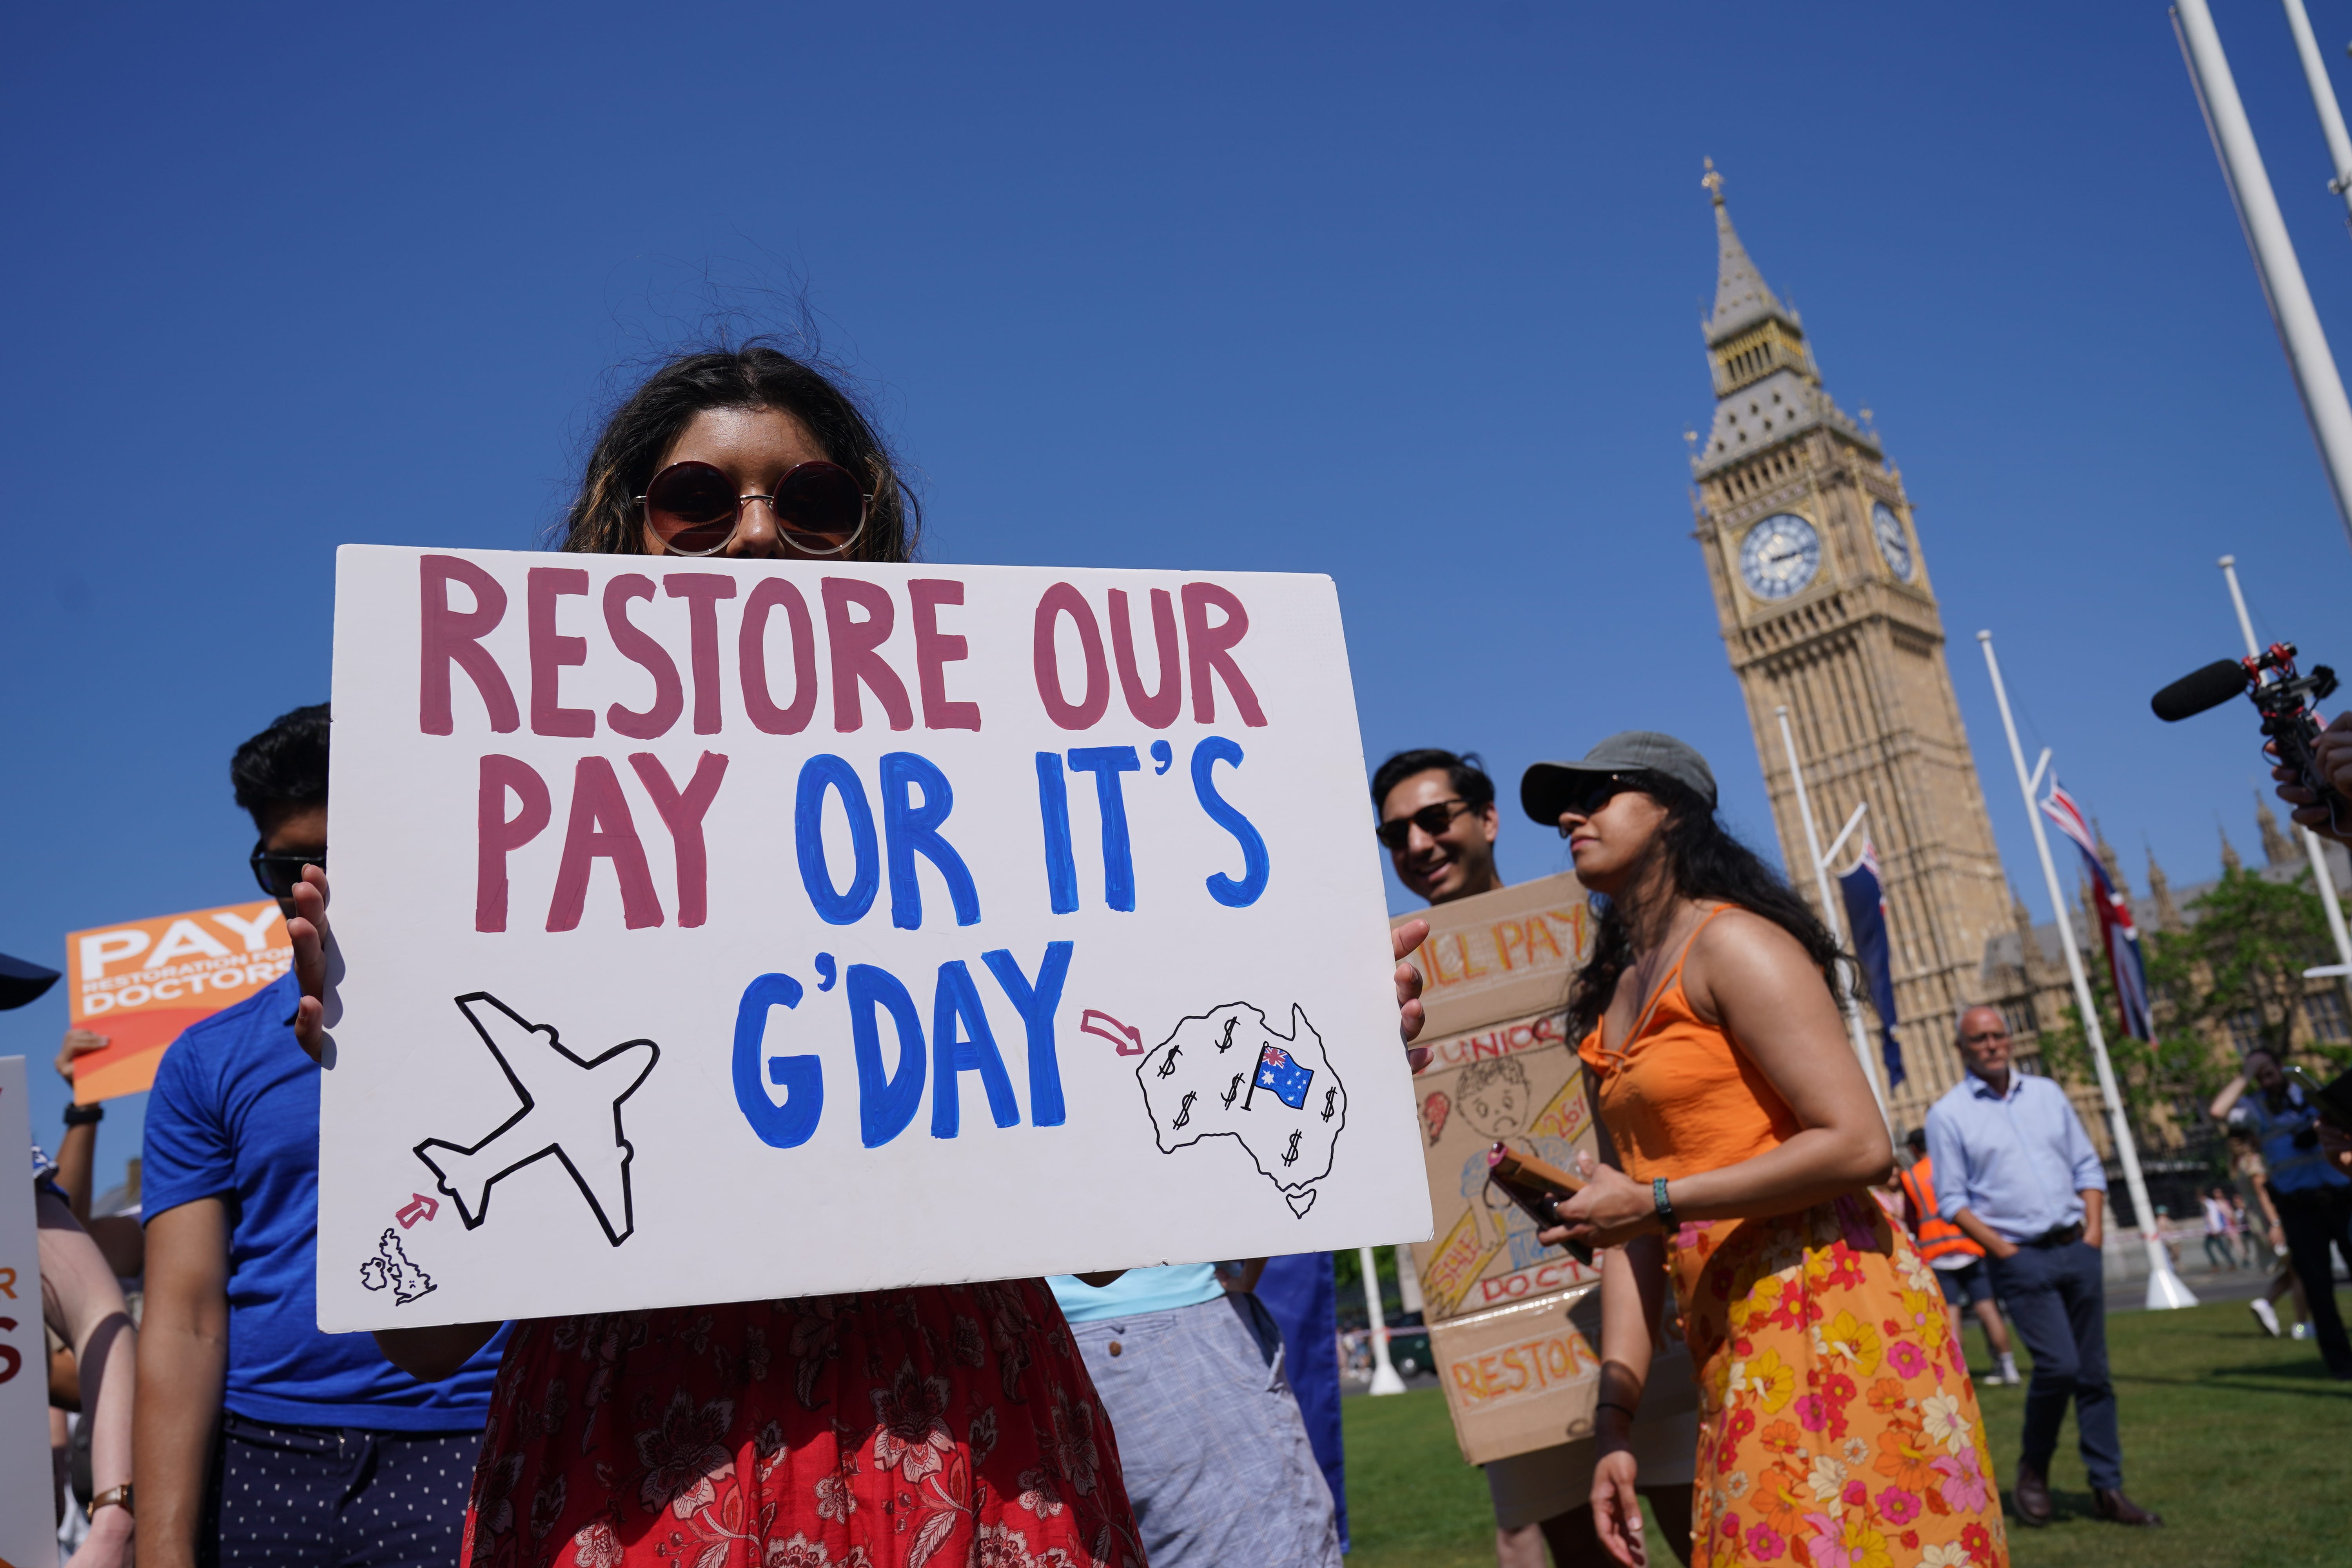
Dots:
{"x": 1226, "y": 1074}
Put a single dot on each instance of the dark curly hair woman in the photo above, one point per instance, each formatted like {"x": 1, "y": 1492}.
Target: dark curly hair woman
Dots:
{"x": 1740, "y": 1141}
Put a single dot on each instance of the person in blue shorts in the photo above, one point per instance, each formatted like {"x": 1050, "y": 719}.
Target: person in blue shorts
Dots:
{"x": 257, "y": 1438}
{"x": 1216, "y": 1455}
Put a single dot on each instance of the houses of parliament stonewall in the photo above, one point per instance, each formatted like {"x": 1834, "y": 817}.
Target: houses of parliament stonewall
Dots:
{"x": 1828, "y": 609}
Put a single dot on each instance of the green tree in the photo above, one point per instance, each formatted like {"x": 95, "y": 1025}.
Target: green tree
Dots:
{"x": 2174, "y": 1072}
{"x": 2241, "y": 962}
{"x": 2242, "y": 959}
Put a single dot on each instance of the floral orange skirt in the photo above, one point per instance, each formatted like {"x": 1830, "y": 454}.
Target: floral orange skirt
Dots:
{"x": 1838, "y": 1428}
{"x": 948, "y": 1425}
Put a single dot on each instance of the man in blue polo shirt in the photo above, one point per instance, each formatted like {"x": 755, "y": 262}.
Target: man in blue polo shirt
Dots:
{"x": 2015, "y": 1170}
{"x": 2313, "y": 1199}
{"x": 260, "y": 1439}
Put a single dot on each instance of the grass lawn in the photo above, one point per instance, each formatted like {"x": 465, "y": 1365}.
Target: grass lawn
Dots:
{"x": 2240, "y": 1441}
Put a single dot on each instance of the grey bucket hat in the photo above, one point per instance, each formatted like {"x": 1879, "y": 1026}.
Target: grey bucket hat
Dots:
{"x": 1546, "y": 788}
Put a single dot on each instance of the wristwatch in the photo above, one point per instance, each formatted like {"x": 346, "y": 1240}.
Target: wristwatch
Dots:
{"x": 83, "y": 1115}
{"x": 1664, "y": 1206}
{"x": 112, "y": 1497}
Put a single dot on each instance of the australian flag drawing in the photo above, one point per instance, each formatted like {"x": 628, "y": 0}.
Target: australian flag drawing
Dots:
{"x": 1288, "y": 1081}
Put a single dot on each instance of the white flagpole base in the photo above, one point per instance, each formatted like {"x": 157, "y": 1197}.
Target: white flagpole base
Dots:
{"x": 1385, "y": 1379}
{"x": 2165, "y": 1291}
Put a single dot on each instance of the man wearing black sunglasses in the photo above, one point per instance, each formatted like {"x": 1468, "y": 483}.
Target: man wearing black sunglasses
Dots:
{"x": 1438, "y": 822}
{"x": 257, "y": 1435}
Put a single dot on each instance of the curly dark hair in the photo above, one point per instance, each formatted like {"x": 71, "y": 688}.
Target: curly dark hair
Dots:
{"x": 604, "y": 517}
{"x": 285, "y": 766}
{"x": 1706, "y": 863}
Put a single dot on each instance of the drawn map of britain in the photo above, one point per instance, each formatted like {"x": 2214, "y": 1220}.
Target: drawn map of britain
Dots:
{"x": 1227, "y": 1074}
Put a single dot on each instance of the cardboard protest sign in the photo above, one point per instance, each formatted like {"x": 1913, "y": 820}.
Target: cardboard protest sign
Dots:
{"x": 28, "y": 1522}
{"x": 142, "y": 982}
{"x": 714, "y": 931}
{"x": 1520, "y": 1372}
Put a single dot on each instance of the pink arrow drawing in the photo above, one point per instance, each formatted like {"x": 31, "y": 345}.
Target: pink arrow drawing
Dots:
{"x": 419, "y": 1207}
{"x": 1102, "y": 1026}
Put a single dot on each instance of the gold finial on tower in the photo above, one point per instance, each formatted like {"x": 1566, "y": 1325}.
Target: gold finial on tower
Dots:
{"x": 1712, "y": 181}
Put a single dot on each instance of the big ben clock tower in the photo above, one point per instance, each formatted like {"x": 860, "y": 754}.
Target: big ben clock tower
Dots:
{"x": 1827, "y": 608}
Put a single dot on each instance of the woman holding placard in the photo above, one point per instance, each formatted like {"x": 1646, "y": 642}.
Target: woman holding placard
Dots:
{"x": 1739, "y": 1145}
{"x": 948, "y": 1424}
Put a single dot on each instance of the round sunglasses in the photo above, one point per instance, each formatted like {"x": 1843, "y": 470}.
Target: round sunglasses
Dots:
{"x": 694, "y": 510}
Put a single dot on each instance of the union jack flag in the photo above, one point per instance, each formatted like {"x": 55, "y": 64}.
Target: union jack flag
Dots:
{"x": 2118, "y": 934}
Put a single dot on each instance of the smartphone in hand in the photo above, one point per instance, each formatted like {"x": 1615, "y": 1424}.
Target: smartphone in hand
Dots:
{"x": 1536, "y": 1188}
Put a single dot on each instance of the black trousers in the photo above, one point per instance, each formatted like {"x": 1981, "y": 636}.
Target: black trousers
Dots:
{"x": 2314, "y": 1221}
{"x": 2056, "y": 1297}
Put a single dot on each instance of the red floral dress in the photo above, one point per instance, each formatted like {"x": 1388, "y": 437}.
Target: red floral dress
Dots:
{"x": 947, "y": 1425}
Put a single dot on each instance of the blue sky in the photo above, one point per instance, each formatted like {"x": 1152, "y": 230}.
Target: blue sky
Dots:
{"x": 1408, "y": 296}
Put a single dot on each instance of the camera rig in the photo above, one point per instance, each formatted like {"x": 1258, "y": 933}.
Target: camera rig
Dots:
{"x": 2285, "y": 700}
{"x": 2285, "y": 705}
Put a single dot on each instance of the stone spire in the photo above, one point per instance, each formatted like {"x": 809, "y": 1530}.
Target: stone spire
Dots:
{"x": 2278, "y": 850}
{"x": 2029, "y": 951}
{"x": 2229, "y": 861}
{"x": 2107, "y": 859}
{"x": 1742, "y": 299}
{"x": 1768, "y": 389}
{"x": 2159, "y": 893}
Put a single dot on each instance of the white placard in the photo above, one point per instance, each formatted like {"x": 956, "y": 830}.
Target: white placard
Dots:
{"x": 28, "y": 1519}
{"x": 648, "y": 873}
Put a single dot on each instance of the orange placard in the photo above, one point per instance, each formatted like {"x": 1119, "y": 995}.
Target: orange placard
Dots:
{"x": 142, "y": 982}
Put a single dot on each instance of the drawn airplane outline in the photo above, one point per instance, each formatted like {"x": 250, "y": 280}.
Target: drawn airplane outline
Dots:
{"x": 609, "y": 1167}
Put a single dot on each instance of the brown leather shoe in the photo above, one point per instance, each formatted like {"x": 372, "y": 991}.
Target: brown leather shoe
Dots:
{"x": 2031, "y": 1496}
{"x": 2118, "y": 1509}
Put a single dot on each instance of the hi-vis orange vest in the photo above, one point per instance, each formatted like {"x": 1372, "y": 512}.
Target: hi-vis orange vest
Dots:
{"x": 1939, "y": 1237}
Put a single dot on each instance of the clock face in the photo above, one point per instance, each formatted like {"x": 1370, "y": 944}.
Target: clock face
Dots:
{"x": 1893, "y": 542}
{"x": 1779, "y": 555}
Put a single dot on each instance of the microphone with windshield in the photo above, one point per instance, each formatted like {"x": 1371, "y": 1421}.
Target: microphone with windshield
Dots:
{"x": 2285, "y": 701}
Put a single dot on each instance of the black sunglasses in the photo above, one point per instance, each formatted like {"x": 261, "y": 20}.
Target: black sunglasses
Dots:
{"x": 693, "y": 507}
{"x": 1593, "y": 797}
{"x": 1432, "y": 819}
{"x": 279, "y": 875}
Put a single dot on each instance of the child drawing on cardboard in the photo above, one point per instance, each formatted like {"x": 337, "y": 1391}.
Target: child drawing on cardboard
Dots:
{"x": 1495, "y": 1097}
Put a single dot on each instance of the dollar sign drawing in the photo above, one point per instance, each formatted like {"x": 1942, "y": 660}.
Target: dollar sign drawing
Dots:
{"x": 1233, "y": 1091}
{"x": 1167, "y": 1068}
{"x": 1292, "y": 1157}
{"x": 1330, "y": 1102}
{"x": 1227, "y": 1043}
{"x": 1184, "y": 1111}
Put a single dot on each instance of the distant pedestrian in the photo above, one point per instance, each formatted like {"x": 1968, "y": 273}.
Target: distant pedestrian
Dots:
{"x": 2218, "y": 1226}
{"x": 2016, "y": 1171}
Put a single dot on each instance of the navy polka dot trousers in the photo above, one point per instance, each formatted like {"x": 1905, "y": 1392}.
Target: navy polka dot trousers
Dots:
{"x": 326, "y": 1497}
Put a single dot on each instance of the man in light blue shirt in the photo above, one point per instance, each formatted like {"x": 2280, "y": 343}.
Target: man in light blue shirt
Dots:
{"x": 2015, "y": 1170}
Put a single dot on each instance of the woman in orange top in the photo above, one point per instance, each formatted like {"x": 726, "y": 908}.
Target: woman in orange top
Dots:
{"x": 1741, "y": 1139}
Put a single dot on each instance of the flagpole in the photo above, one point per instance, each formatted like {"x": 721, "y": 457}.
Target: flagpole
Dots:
{"x": 2323, "y": 99}
{"x": 2164, "y": 1287}
{"x": 2289, "y": 297}
{"x": 1846, "y": 1003}
{"x": 1384, "y": 1372}
{"x": 2323, "y": 880}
